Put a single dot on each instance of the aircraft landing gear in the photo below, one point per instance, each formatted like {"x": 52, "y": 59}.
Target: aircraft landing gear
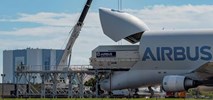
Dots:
{"x": 151, "y": 91}
{"x": 110, "y": 94}
{"x": 136, "y": 95}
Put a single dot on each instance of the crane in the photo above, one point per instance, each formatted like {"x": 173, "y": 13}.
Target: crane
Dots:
{"x": 74, "y": 35}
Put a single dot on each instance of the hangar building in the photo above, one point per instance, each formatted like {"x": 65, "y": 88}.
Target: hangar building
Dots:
{"x": 33, "y": 59}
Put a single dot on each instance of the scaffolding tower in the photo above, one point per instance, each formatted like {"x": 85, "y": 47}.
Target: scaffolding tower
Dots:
{"x": 50, "y": 86}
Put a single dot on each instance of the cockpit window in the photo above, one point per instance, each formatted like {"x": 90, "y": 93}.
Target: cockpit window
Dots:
{"x": 134, "y": 38}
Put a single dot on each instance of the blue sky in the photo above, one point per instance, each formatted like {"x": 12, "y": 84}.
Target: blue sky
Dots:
{"x": 46, "y": 23}
{"x": 11, "y": 8}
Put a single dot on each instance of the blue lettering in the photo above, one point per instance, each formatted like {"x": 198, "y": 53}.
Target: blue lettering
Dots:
{"x": 179, "y": 53}
{"x": 148, "y": 55}
{"x": 188, "y": 54}
{"x": 158, "y": 53}
{"x": 168, "y": 53}
{"x": 205, "y": 50}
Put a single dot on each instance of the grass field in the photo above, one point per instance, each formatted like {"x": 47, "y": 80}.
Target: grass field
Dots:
{"x": 101, "y": 99}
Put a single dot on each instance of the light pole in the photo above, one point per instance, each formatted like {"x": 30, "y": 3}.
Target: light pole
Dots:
{"x": 2, "y": 91}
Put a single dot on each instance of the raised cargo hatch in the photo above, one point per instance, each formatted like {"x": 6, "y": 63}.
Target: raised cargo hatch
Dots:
{"x": 134, "y": 38}
{"x": 118, "y": 56}
{"x": 119, "y": 25}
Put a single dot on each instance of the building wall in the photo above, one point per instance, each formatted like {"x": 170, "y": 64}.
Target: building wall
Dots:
{"x": 34, "y": 59}
{"x": 53, "y": 60}
{"x": 8, "y": 66}
{"x": 46, "y": 59}
{"x": 19, "y": 58}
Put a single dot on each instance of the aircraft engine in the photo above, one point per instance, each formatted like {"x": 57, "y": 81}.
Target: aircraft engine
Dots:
{"x": 175, "y": 83}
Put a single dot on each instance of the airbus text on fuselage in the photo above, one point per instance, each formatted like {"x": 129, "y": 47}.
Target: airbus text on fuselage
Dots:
{"x": 178, "y": 53}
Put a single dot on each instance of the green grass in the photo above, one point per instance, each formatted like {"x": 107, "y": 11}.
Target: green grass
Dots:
{"x": 100, "y": 99}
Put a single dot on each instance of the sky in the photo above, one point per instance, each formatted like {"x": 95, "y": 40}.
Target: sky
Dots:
{"x": 46, "y": 23}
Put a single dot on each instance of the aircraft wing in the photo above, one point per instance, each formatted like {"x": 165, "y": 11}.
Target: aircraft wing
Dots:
{"x": 205, "y": 71}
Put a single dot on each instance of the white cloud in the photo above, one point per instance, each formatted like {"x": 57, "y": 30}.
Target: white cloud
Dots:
{"x": 176, "y": 17}
{"x": 53, "y": 19}
{"x": 37, "y": 31}
{"x": 55, "y": 28}
{"x": 46, "y": 18}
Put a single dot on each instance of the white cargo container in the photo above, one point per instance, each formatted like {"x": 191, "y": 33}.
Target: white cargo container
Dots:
{"x": 115, "y": 56}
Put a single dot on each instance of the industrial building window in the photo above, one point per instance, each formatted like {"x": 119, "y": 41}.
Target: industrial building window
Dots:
{"x": 47, "y": 65}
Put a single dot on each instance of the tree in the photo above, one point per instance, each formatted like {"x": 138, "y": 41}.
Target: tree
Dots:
{"x": 91, "y": 82}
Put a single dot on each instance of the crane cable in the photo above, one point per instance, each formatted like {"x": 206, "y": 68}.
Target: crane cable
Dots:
{"x": 120, "y": 5}
{"x": 119, "y": 9}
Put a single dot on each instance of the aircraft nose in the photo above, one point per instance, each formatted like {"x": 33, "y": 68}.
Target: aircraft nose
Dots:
{"x": 118, "y": 25}
{"x": 103, "y": 10}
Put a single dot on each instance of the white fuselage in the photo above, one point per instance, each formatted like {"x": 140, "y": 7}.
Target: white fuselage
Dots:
{"x": 165, "y": 53}
{"x": 160, "y": 53}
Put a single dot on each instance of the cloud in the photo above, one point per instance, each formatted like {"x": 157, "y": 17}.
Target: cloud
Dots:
{"x": 45, "y": 18}
{"x": 37, "y": 31}
{"x": 53, "y": 19}
{"x": 176, "y": 17}
{"x": 54, "y": 30}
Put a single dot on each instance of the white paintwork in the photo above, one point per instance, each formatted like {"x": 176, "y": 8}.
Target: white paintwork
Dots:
{"x": 126, "y": 56}
{"x": 184, "y": 38}
{"x": 149, "y": 72}
{"x": 118, "y": 25}
{"x": 68, "y": 50}
{"x": 173, "y": 81}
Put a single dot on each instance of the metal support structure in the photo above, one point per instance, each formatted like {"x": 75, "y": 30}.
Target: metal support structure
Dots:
{"x": 2, "y": 75}
{"x": 81, "y": 91}
{"x": 47, "y": 85}
{"x": 16, "y": 85}
{"x": 110, "y": 77}
{"x": 27, "y": 81}
{"x": 18, "y": 78}
{"x": 70, "y": 90}
{"x": 97, "y": 83}
{"x": 151, "y": 91}
{"x": 42, "y": 86}
{"x": 34, "y": 77}
{"x": 54, "y": 84}
{"x": 74, "y": 34}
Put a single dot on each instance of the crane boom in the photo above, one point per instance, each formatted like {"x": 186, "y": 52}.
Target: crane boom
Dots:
{"x": 74, "y": 34}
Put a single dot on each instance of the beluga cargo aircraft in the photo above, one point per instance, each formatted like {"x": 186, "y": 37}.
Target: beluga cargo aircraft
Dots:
{"x": 177, "y": 60}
